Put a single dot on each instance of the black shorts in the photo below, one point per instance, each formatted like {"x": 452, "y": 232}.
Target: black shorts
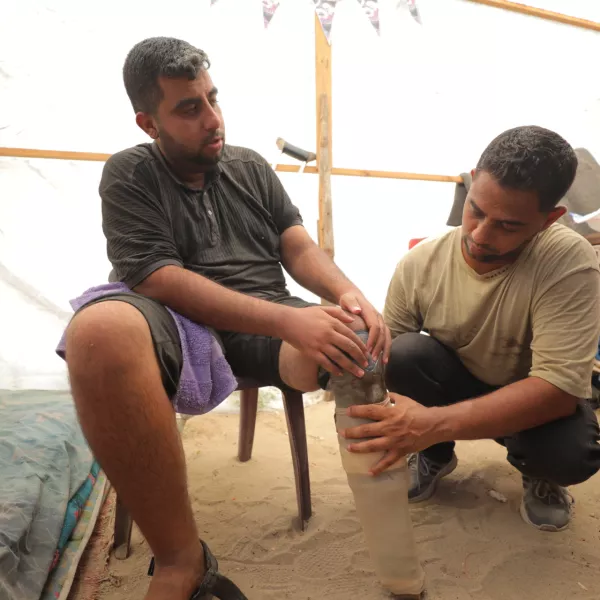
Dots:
{"x": 250, "y": 356}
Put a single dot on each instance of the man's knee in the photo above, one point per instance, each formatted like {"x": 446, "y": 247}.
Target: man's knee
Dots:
{"x": 563, "y": 463}
{"x": 358, "y": 324}
{"x": 411, "y": 354}
{"x": 105, "y": 334}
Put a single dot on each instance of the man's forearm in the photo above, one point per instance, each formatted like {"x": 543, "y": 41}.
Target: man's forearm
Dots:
{"x": 206, "y": 302}
{"x": 513, "y": 408}
{"x": 315, "y": 271}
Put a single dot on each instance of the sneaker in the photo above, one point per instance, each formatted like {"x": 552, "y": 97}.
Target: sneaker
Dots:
{"x": 545, "y": 505}
{"x": 424, "y": 475}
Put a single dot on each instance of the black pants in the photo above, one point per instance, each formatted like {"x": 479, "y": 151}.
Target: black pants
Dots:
{"x": 565, "y": 451}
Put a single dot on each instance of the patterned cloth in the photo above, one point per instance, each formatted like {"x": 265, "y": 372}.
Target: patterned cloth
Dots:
{"x": 61, "y": 578}
{"x": 44, "y": 461}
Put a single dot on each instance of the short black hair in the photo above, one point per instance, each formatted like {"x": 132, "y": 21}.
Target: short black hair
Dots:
{"x": 531, "y": 158}
{"x": 158, "y": 57}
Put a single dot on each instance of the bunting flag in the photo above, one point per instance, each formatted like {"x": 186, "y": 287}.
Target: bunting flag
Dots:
{"x": 325, "y": 10}
{"x": 412, "y": 7}
{"x": 372, "y": 10}
{"x": 269, "y": 8}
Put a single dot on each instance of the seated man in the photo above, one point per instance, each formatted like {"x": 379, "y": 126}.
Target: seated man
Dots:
{"x": 511, "y": 303}
{"x": 204, "y": 229}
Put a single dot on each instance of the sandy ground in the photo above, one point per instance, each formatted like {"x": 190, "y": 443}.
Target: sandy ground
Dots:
{"x": 472, "y": 545}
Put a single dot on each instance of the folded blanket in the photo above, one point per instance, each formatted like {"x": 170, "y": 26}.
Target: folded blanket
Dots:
{"x": 206, "y": 377}
{"x": 583, "y": 197}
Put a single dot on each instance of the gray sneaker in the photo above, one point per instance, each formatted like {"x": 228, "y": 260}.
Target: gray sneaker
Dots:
{"x": 545, "y": 505}
{"x": 424, "y": 475}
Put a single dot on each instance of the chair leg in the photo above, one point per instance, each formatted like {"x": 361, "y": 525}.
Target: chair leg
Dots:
{"x": 294, "y": 413}
{"x": 123, "y": 527}
{"x": 248, "y": 408}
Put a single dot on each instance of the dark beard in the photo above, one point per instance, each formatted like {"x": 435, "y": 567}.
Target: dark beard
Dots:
{"x": 491, "y": 258}
{"x": 181, "y": 157}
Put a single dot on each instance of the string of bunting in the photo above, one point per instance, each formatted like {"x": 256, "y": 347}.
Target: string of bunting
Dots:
{"x": 325, "y": 10}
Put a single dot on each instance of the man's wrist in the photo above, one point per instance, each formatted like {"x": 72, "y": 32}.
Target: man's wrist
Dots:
{"x": 447, "y": 422}
{"x": 280, "y": 317}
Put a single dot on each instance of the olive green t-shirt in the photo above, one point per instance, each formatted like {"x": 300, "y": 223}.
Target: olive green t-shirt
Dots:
{"x": 538, "y": 317}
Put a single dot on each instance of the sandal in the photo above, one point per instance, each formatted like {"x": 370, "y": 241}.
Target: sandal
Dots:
{"x": 214, "y": 584}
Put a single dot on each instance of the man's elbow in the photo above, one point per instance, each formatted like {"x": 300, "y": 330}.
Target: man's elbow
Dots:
{"x": 570, "y": 405}
{"x": 153, "y": 285}
{"x": 563, "y": 404}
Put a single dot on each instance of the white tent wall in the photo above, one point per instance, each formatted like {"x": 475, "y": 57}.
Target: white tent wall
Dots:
{"x": 418, "y": 98}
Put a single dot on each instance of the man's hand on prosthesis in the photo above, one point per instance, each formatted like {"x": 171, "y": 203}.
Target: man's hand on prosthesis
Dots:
{"x": 321, "y": 332}
{"x": 380, "y": 338}
{"x": 400, "y": 429}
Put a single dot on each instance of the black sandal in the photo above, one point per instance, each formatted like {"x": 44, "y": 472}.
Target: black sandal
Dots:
{"x": 214, "y": 584}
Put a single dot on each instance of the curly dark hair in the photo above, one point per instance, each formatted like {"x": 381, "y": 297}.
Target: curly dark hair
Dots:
{"x": 158, "y": 57}
{"x": 531, "y": 158}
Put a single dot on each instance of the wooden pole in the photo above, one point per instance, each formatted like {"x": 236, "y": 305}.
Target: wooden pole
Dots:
{"x": 99, "y": 157}
{"x": 541, "y": 13}
{"x": 324, "y": 165}
{"x": 53, "y": 154}
{"x": 324, "y": 146}
{"x": 324, "y": 137}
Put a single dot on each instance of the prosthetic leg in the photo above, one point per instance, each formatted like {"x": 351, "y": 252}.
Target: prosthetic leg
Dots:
{"x": 381, "y": 501}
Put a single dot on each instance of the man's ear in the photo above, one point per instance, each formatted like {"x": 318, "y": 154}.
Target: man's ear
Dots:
{"x": 553, "y": 216}
{"x": 473, "y": 171}
{"x": 147, "y": 124}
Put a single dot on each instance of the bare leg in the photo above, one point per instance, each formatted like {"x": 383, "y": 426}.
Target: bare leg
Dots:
{"x": 130, "y": 426}
{"x": 300, "y": 372}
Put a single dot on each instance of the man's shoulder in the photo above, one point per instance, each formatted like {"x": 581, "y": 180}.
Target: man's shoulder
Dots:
{"x": 428, "y": 258}
{"x": 124, "y": 164}
{"x": 241, "y": 158}
{"x": 560, "y": 248}
{"x": 433, "y": 247}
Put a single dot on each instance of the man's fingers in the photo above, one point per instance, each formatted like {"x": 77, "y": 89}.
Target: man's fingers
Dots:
{"x": 344, "y": 363}
{"x": 322, "y": 360}
{"x": 363, "y": 431}
{"x": 369, "y": 411}
{"x": 380, "y": 340}
{"x": 386, "y": 461}
{"x": 350, "y": 303}
{"x": 354, "y": 339}
{"x": 373, "y": 341}
{"x": 338, "y": 313}
{"x": 376, "y": 445}
{"x": 387, "y": 345}
{"x": 350, "y": 347}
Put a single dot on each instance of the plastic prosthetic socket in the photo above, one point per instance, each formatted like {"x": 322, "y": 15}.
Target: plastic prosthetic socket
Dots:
{"x": 381, "y": 501}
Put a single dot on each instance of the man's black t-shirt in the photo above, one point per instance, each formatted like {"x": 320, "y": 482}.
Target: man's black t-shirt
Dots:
{"x": 228, "y": 232}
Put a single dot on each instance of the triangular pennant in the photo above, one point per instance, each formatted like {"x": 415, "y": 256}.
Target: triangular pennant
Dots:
{"x": 371, "y": 9}
{"x": 412, "y": 7}
{"x": 325, "y": 10}
{"x": 269, "y": 8}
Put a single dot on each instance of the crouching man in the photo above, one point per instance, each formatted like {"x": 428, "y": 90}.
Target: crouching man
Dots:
{"x": 511, "y": 303}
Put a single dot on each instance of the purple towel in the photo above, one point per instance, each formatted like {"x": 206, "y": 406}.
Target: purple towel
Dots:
{"x": 206, "y": 377}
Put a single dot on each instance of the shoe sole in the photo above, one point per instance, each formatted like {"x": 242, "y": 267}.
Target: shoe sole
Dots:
{"x": 429, "y": 491}
{"x": 545, "y": 527}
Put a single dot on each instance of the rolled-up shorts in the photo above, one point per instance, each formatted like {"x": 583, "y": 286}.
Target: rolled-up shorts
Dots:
{"x": 250, "y": 356}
